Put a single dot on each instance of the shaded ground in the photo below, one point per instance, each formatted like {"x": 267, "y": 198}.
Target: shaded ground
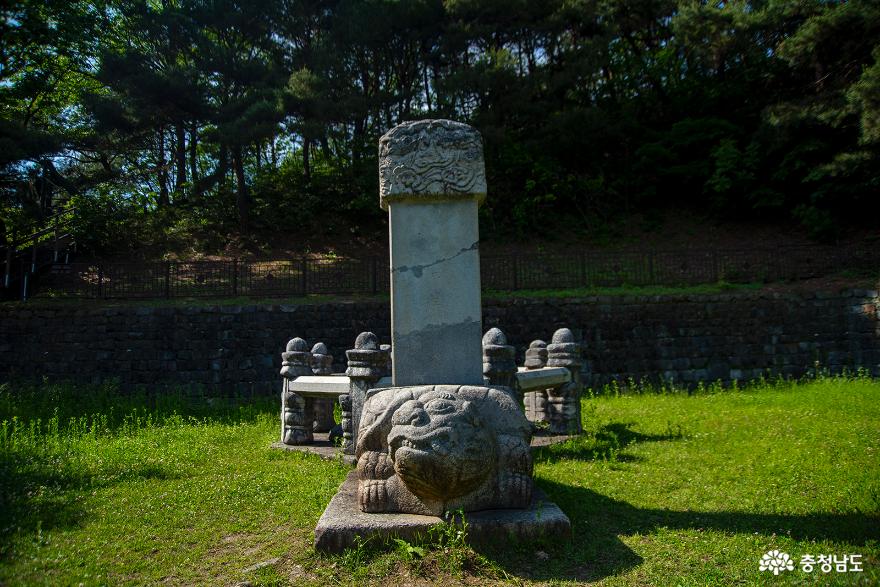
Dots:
{"x": 670, "y": 231}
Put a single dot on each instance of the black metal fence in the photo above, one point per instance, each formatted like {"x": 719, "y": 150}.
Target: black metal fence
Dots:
{"x": 498, "y": 272}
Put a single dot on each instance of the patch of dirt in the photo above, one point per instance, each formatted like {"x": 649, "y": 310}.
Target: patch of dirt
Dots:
{"x": 673, "y": 230}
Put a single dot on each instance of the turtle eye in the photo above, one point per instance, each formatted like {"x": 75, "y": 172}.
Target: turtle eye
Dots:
{"x": 440, "y": 407}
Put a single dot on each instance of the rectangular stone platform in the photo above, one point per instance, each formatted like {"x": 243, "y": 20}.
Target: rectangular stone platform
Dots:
{"x": 343, "y": 521}
{"x": 321, "y": 446}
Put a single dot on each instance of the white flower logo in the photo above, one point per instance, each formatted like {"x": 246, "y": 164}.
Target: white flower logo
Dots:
{"x": 776, "y": 561}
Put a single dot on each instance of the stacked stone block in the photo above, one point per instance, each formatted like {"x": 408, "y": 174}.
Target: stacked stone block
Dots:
{"x": 236, "y": 350}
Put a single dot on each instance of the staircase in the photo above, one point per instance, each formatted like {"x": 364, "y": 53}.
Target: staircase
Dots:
{"x": 41, "y": 251}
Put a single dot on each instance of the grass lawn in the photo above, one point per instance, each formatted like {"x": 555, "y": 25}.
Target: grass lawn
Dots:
{"x": 662, "y": 490}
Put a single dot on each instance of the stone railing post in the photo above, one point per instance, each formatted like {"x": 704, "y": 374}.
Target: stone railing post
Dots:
{"x": 345, "y": 424}
{"x": 322, "y": 364}
{"x": 499, "y": 364}
{"x": 386, "y": 348}
{"x": 297, "y": 412}
{"x": 366, "y": 364}
{"x": 564, "y": 402}
{"x": 536, "y": 401}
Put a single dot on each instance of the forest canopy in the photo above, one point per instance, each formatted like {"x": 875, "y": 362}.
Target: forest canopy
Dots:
{"x": 265, "y": 114}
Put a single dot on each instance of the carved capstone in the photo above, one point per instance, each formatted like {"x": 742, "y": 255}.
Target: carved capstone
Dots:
{"x": 536, "y": 355}
{"x": 295, "y": 359}
{"x": 423, "y": 159}
{"x": 438, "y": 448}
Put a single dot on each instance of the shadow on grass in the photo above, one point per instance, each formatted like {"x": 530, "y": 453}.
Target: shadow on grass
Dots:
{"x": 35, "y": 493}
{"x": 598, "y": 521}
{"x": 606, "y": 443}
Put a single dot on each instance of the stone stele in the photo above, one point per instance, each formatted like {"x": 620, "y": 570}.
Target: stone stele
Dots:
{"x": 431, "y": 180}
{"x": 442, "y": 448}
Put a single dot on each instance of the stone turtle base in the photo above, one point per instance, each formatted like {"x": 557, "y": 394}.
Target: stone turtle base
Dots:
{"x": 343, "y": 521}
{"x": 326, "y": 450}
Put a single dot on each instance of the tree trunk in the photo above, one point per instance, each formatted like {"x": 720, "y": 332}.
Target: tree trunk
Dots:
{"x": 427, "y": 87}
{"x": 162, "y": 171}
{"x": 180, "y": 130}
{"x": 222, "y": 165}
{"x": 307, "y": 169}
{"x": 242, "y": 196}
{"x": 357, "y": 136}
{"x": 193, "y": 153}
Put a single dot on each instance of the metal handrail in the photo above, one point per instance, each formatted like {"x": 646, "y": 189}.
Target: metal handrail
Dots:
{"x": 52, "y": 225}
{"x": 56, "y": 227}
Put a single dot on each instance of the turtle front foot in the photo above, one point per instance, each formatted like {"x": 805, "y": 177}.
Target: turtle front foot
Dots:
{"x": 373, "y": 496}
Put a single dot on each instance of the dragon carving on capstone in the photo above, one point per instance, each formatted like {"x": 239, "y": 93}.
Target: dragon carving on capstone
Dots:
{"x": 439, "y": 448}
{"x": 425, "y": 158}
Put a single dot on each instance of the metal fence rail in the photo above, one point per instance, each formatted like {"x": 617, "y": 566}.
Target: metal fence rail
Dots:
{"x": 498, "y": 272}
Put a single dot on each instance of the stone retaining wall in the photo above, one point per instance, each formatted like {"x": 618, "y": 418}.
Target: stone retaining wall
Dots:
{"x": 237, "y": 349}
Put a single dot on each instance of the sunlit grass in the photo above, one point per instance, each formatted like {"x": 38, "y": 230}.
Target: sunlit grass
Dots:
{"x": 664, "y": 488}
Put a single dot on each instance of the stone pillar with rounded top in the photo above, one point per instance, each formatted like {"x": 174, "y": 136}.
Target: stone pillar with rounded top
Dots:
{"x": 499, "y": 364}
{"x": 536, "y": 401}
{"x": 297, "y": 412}
{"x": 366, "y": 364}
{"x": 564, "y": 402}
{"x": 431, "y": 180}
{"x": 322, "y": 364}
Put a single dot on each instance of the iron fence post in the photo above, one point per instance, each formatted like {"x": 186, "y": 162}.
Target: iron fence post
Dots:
{"x": 167, "y": 280}
{"x": 515, "y": 272}
{"x": 651, "y": 277}
{"x": 100, "y": 282}
{"x": 34, "y": 256}
{"x": 235, "y": 276}
{"x": 583, "y": 270}
{"x": 7, "y": 272}
{"x": 24, "y": 276}
{"x": 304, "y": 276}
{"x": 55, "y": 242}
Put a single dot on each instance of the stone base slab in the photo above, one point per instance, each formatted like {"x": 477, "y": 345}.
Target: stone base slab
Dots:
{"x": 343, "y": 521}
{"x": 321, "y": 446}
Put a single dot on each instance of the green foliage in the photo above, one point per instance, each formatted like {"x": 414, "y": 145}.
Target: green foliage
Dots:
{"x": 237, "y": 114}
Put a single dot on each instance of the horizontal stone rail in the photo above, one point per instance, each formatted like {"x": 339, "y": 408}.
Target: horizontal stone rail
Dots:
{"x": 327, "y": 386}
{"x": 548, "y": 377}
